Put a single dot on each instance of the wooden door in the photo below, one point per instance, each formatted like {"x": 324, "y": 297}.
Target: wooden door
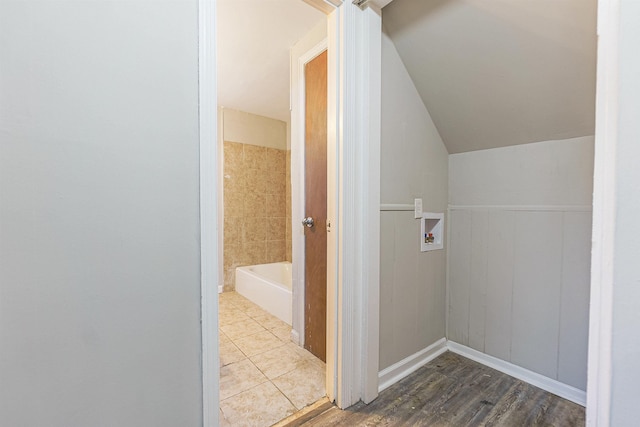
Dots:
{"x": 315, "y": 296}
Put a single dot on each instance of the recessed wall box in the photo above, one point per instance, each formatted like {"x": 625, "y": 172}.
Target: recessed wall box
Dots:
{"x": 431, "y": 231}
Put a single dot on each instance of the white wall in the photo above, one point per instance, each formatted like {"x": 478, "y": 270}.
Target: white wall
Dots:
{"x": 99, "y": 214}
{"x": 247, "y": 128}
{"x": 519, "y": 255}
{"x": 413, "y": 165}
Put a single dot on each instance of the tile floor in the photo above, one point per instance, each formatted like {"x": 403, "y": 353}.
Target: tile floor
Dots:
{"x": 264, "y": 377}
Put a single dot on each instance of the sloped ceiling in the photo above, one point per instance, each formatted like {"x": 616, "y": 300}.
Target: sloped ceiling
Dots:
{"x": 494, "y": 73}
{"x": 253, "y": 41}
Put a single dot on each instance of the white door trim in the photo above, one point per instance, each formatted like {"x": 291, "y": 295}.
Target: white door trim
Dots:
{"x": 354, "y": 209}
{"x": 208, "y": 211}
{"x": 353, "y": 199}
{"x": 604, "y": 215}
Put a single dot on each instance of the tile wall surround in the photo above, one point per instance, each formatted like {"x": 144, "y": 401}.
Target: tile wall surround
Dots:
{"x": 288, "y": 230}
{"x": 256, "y": 207}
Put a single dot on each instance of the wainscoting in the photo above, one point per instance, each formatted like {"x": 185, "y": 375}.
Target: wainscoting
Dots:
{"x": 518, "y": 286}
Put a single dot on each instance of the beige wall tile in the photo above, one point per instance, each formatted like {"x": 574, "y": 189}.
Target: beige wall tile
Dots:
{"x": 275, "y": 181}
{"x": 254, "y": 157}
{"x": 275, "y": 228}
{"x": 234, "y": 180}
{"x": 232, "y": 255}
{"x": 276, "y": 205}
{"x": 276, "y": 251}
{"x": 276, "y": 159}
{"x": 254, "y": 253}
{"x": 255, "y": 205}
{"x": 232, "y": 229}
{"x": 232, "y": 155}
{"x": 233, "y": 203}
{"x": 255, "y": 181}
{"x": 287, "y": 229}
{"x": 254, "y": 229}
{"x": 289, "y": 253}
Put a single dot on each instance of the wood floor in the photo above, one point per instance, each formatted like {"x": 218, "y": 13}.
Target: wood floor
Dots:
{"x": 454, "y": 391}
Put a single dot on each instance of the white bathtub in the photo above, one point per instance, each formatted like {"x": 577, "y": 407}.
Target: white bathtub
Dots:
{"x": 269, "y": 286}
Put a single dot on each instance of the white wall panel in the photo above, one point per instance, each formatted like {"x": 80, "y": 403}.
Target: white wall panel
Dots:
{"x": 459, "y": 276}
{"x": 478, "y": 278}
{"x": 499, "y": 284}
{"x": 536, "y": 291}
{"x": 406, "y": 281}
{"x": 387, "y": 302}
{"x": 519, "y": 245}
{"x": 576, "y": 257}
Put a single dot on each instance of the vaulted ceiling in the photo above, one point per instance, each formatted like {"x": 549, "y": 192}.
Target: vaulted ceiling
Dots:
{"x": 494, "y": 73}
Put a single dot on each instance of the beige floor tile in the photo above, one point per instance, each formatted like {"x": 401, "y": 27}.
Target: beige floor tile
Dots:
{"x": 304, "y": 353}
{"x": 241, "y": 329}
{"x": 269, "y": 321}
{"x": 238, "y": 377}
{"x": 222, "y": 337}
{"x": 261, "y": 406}
{"x": 258, "y": 343}
{"x": 229, "y": 353}
{"x": 235, "y": 299}
{"x": 225, "y": 296}
{"x": 245, "y": 305}
{"x": 228, "y": 297}
{"x": 304, "y": 385}
{"x": 279, "y": 361}
{"x": 225, "y": 304}
{"x": 283, "y": 333}
{"x": 222, "y": 420}
{"x": 258, "y": 311}
{"x": 231, "y": 315}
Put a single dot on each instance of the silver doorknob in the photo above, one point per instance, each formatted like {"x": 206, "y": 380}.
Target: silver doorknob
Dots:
{"x": 308, "y": 221}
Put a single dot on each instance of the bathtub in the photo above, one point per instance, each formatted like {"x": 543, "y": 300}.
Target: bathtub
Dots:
{"x": 269, "y": 286}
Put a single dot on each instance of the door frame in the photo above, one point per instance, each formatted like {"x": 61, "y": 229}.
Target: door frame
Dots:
{"x": 598, "y": 409}
{"x": 353, "y": 199}
{"x": 354, "y": 37}
{"x": 209, "y": 242}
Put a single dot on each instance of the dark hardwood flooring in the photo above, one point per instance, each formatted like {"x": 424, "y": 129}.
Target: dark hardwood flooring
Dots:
{"x": 454, "y": 391}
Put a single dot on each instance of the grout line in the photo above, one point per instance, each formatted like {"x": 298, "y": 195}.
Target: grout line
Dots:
{"x": 301, "y": 362}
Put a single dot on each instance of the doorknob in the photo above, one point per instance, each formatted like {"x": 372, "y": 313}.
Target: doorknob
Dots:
{"x": 308, "y": 221}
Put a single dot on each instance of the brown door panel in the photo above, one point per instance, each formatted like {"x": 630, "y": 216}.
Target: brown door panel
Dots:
{"x": 316, "y": 206}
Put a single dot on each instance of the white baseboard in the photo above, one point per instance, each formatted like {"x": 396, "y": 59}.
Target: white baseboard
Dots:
{"x": 219, "y": 289}
{"x": 295, "y": 336}
{"x": 552, "y": 386}
{"x": 394, "y": 373}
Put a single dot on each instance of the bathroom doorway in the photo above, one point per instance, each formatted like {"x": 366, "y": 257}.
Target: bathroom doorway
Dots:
{"x": 260, "y": 363}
